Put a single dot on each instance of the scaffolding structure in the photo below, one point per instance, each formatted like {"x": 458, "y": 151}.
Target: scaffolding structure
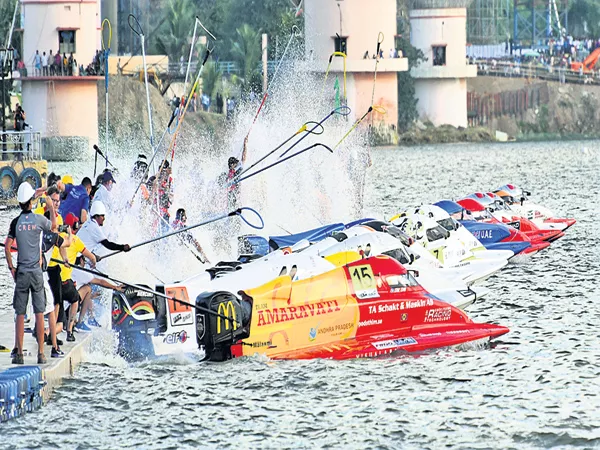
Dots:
{"x": 488, "y": 22}
{"x": 528, "y": 22}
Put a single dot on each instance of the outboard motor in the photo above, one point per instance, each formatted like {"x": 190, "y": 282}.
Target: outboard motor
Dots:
{"x": 136, "y": 316}
{"x": 230, "y": 323}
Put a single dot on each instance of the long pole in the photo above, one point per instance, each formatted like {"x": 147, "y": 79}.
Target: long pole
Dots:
{"x": 4, "y": 156}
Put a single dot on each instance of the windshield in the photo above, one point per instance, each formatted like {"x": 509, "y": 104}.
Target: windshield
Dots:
{"x": 401, "y": 281}
{"x": 399, "y": 255}
{"x": 434, "y": 234}
{"x": 448, "y": 224}
{"x": 479, "y": 215}
{"x": 499, "y": 205}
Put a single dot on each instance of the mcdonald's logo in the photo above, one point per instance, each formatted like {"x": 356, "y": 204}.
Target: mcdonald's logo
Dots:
{"x": 227, "y": 310}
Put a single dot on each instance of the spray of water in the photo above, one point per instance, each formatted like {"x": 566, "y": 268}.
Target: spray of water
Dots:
{"x": 313, "y": 189}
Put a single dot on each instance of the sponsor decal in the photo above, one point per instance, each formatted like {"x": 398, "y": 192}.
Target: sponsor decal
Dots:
{"x": 182, "y": 319}
{"x": 483, "y": 234}
{"x": 363, "y": 280}
{"x": 390, "y": 307}
{"x": 438, "y": 314}
{"x": 458, "y": 332}
{"x": 200, "y": 326}
{"x": 421, "y": 303}
{"x": 143, "y": 294}
{"x": 176, "y": 338}
{"x": 261, "y": 344}
{"x": 227, "y": 310}
{"x": 312, "y": 334}
{"x": 404, "y": 317}
{"x": 333, "y": 328}
{"x": 116, "y": 308}
{"x": 369, "y": 323}
{"x": 289, "y": 313}
{"x": 394, "y": 343}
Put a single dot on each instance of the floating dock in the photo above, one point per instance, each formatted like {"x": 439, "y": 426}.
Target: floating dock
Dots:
{"x": 24, "y": 388}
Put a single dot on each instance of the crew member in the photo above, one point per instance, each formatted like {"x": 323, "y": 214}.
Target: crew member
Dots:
{"x": 50, "y": 241}
{"x": 78, "y": 200}
{"x": 164, "y": 191}
{"x": 234, "y": 170}
{"x": 181, "y": 222}
{"x": 103, "y": 194}
{"x": 53, "y": 269}
{"x": 93, "y": 236}
{"x": 83, "y": 281}
{"x": 69, "y": 291}
{"x": 26, "y": 229}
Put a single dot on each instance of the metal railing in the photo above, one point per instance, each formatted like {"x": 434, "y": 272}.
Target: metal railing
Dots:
{"x": 225, "y": 67}
{"x": 22, "y": 145}
{"x": 536, "y": 71}
{"x": 31, "y": 71}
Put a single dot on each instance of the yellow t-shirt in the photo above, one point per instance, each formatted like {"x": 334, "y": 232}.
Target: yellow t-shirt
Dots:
{"x": 76, "y": 247}
{"x": 55, "y": 251}
{"x": 39, "y": 209}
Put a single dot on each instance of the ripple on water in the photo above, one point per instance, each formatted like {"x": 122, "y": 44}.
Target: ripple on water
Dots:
{"x": 537, "y": 387}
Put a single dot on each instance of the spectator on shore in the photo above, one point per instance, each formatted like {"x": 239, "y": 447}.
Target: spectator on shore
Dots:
{"x": 230, "y": 107}
{"x": 51, "y": 68}
{"x": 58, "y": 63}
{"x": 44, "y": 64}
{"x": 65, "y": 65}
{"x": 37, "y": 63}
{"x": 219, "y": 103}
{"x": 19, "y": 118}
{"x": 205, "y": 102}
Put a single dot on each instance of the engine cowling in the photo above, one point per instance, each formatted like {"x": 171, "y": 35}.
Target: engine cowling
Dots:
{"x": 229, "y": 323}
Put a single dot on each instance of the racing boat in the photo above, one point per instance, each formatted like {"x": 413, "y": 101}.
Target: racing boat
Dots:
{"x": 499, "y": 212}
{"x": 369, "y": 307}
{"x": 491, "y": 235}
{"x": 450, "y": 252}
{"x": 470, "y": 242}
{"x": 519, "y": 202}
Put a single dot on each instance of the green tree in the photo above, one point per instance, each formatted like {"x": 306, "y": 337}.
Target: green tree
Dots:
{"x": 246, "y": 52}
{"x": 584, "y": 18}
{"x": 174, "y": 35}
{"x": 211, "y": 78}
{"x": 407, "y": 101}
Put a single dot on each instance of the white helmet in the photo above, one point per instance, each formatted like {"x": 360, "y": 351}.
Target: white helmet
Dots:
{"x": 25, "y": 192}
{"x": 97, "y": 209}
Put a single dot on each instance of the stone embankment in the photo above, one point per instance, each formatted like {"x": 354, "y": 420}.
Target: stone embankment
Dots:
{"x": 533, "y": 109}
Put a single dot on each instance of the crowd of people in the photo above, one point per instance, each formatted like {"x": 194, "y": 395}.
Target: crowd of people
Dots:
{"x": 57, "y": 64}
{"x": 56, "y": 233}
{"x": 394, "y": 53}
{"x": 560, "y": 58}
{"x": 219, "y": 106}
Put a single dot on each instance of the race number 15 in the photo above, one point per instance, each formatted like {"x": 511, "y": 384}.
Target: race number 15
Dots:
{"x": 363, "y": 278}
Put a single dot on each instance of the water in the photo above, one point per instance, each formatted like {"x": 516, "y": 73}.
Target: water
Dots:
{"x": 537, "y": 388}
